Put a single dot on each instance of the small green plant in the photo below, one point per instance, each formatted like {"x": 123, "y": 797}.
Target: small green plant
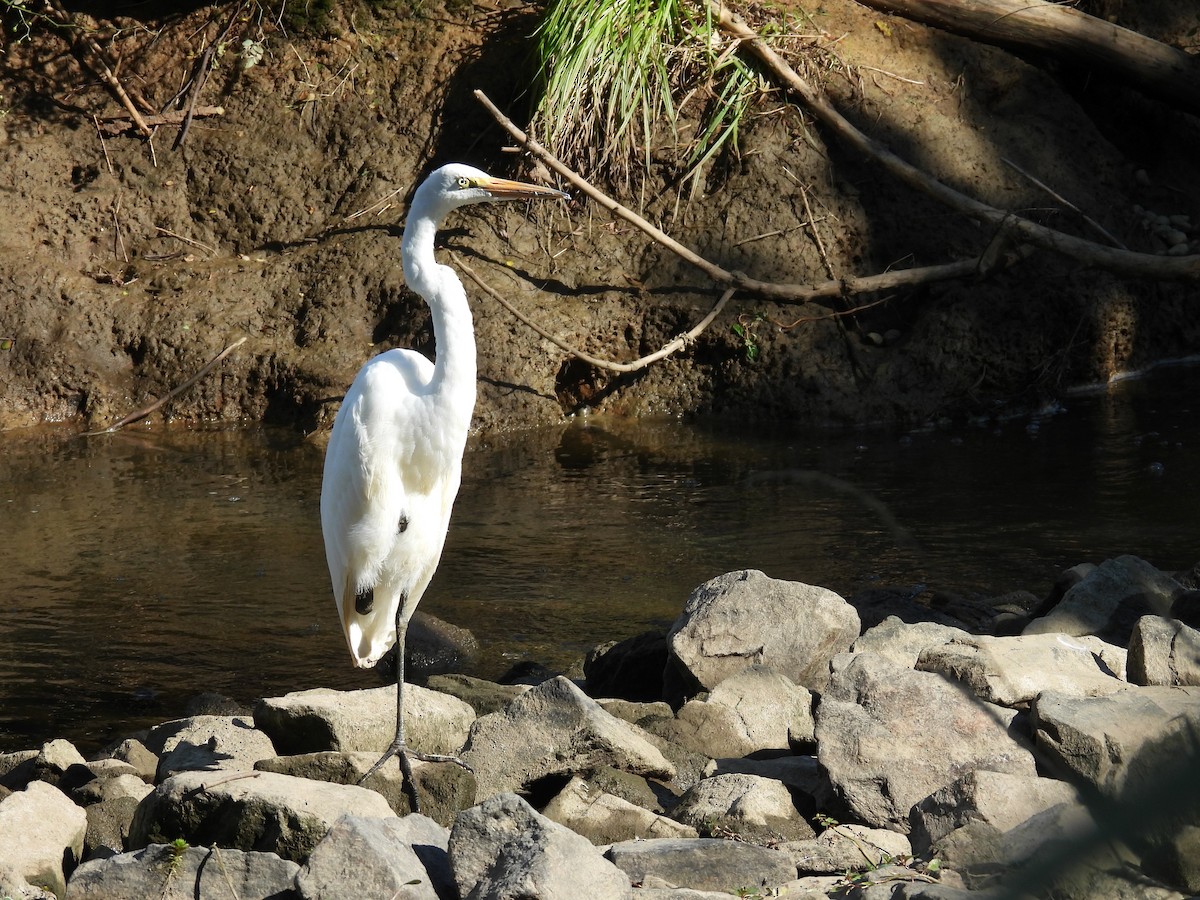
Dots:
{"x": 175, "y": 851}
{"x": 744, "y": 328}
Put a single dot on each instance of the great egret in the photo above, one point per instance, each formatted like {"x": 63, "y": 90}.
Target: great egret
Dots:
{"x": 394, "y": 460}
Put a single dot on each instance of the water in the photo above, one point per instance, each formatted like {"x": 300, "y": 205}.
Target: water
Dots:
{"x": 148, "y": 566}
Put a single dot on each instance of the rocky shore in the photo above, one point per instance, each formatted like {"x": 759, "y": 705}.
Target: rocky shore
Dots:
{"x": 778, "y": 741}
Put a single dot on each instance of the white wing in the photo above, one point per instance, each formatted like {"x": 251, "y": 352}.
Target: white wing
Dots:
{"x": 390, "y": 480}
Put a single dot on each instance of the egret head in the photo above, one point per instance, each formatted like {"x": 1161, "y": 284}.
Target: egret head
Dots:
{"x": 457, "y": 184}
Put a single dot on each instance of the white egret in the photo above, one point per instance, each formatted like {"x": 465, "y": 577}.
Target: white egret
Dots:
{"x": 394, "y": 460}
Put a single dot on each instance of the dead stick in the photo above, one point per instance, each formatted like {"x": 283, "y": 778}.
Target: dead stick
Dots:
{"x": 771, "y": 290}
{"x": 666, "y": 350}
{"x": 1125, "y": 262}
{"x": 174, "y": 392}
{"x": 99, "y": 64}
{"x": 1100, "y": 229}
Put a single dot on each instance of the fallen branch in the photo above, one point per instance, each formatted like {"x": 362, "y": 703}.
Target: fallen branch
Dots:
{"x": 170, "y": 395}
{"x": 801, "y": 293}
{"x": 665, "y": 351}
{"x": 1158, "y": 68}
{"x": 97, "y": 61}
{"x": 1123, "y": 262}
{"x": 120, "y": 123}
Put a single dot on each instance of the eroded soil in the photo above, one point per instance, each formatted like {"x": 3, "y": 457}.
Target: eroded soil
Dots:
{"x": 126, "y": 266}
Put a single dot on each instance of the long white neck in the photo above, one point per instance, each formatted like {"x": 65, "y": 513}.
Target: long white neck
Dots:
{"x": 453, "y": 384}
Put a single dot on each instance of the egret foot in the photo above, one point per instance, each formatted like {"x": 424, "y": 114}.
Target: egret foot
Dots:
{"x": 400, "y": 751}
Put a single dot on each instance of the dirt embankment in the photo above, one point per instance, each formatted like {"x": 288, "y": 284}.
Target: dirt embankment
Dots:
{"x": 124, "y": 267}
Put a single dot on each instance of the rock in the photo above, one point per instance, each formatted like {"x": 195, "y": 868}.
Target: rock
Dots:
{"x": 1002, "y": 801}
{"x": 365, "y": 857}
{"x": 1115, "y": 743}
{"x": 889, "y": 737}
{"x": 635, "y": 711}
{"x": 629, "y": 787}
{"x": 1012, "y": 671}
{"x": 443, "y": 788}
{"x": 250, "y": 811}
{"x": 555, "y": 729}
{"x": 877, "y": 605}
{"x": 139, "y": 756}
{"x": 164, "y": 872}
{"x": 755, "y": 710}
{"x": 902, "y": 642}
{"x": 42, "y": 834}
{"x": 1164, "y": 651}
{"x": 210, "y": 703}
{"x": 800, "y": 773}
{"x": 1108, "y": 601}
{"x": 604, "y": 818}
{"x": 733, "y": 621}
{"x": 482, "y": 696}
{"x": 703, "y": 864}
{"x": 847, "y": 848}
{"x": 321, "y": 719}
{"x": 503, "y": 850}
{"x": 126, "y": 786}
{"x": 434, "y": 646}
{"x": 748, "y": 806}
{"x": 631, "y": 669}
{"x": 211, "y": 743}
{"x": 13, "y": 885}
{"x": 49, "y": 764}
{"x": 108, "y": 825}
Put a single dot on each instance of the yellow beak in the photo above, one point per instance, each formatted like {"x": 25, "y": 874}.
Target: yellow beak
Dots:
{"x": 504, "y": 189}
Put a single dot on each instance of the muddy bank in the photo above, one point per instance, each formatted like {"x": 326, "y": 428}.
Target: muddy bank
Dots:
{"x": 123, "y": 269}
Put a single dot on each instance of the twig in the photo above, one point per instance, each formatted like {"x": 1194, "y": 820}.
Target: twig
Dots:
{"x": 200, "y": 76}
{"x": 1065, "y": 202}
{"x": 770, "y": 290}
{"x": 98, "y": 63}
{"x": 189, "y": 241}
{"x": 664, "y": 351}
{"x": 1126, "y": 262}
{"x": 119, "y": 123}
{"x": 103, "y": 145}
{"x": 170, "y": 395}
{"x": 378, "y": 206}
{"x": 119, "y": 241}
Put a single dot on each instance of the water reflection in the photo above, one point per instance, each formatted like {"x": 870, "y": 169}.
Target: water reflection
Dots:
{"x": 145, "y": 567}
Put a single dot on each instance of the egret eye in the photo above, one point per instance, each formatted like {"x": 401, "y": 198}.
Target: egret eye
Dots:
{"x": 464, "y": 181}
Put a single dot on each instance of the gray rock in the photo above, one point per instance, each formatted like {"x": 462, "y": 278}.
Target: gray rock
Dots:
{"x": 13, "y": 885}
{"x": 250, "y": 811}
{"x": 902, "y": 642}
{"x": 746, "y": 806}
{"x": 847, "y": 848}
{"x": 1116, "y": 742}
{"x": 800, "y": 773}
{"x": 48, "y": 764}
{"x": 733, "y": 621}
{"x": 211, "y": 743}
{"x": 163, "y": 872}
{"x": 703, "y": 864}
{"x": 755, "y": 710}
{"x": 1164, "y": 651}
{"x": 364, "y": 857}
{"x": 41, "y": 834}
{"x": 482, "y": 696}
{"x": 431, "y": 842}
{"x": 631, "y": 669}
{"x": 321, "y": 719}
{"x": 111, "y": 788}
{"x": 108, "y": 825}
{"x": 1109, "y": 600}
{"x": 605, "y": 818}
{"x": 138, "y": 755}
{"x": 503, "y": 850}
{"x": 443, "y": 788}
{"x": 555, "y": 729}
{"x": 888, "y": 737}
{"x": 1012, "y": 671}
{"x": 635, "y": 711}
{"x": 1002, "y": 801}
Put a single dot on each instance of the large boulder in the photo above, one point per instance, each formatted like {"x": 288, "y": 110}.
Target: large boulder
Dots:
{"x": 703, "y": 864}
{"x": 166, "y": 872}
{"x": 250, "y": 811}
{"x": 503, "y": 850}
{"x": 1164, "y": 651}
{"x": 443, "y": 788}
{"x": 755, "y": 710}
{"x": 902, "y": 642}
{"x": 1012, "y": 671}
{"x": 889, "y": 737}
{"x": 748, "y": 806}
{"x": 366, "y": 857}
{"x": 227, "y": 743}
{"x": 1109, "y": 599}
{"x": 41, "y": 834}
{"x": 555, "y": 729}
{"x": 847, "y": 848}
{"x": 734, "y": 621}
{"x": 322, "y": 719}
{"x": 631, "y": 669}
{"x": 605, "y": 818}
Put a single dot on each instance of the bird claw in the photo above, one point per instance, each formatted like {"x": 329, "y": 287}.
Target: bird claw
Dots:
{"x": 440, "y": 758}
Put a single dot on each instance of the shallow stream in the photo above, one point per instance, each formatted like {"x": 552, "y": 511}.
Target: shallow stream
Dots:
{"x": 144, "y": 567}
